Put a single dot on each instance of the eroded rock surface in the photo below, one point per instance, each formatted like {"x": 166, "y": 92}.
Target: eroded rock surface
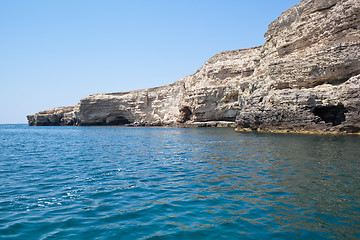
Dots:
{"x": 306, "y": 77}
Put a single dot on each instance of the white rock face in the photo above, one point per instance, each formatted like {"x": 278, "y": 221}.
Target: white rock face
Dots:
{"x": 155, "y": 106}
{"x": 311, "y": 54}
{"x": 306, "y": 77}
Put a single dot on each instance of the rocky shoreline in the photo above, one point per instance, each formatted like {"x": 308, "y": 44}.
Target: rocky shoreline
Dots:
{"x": 305, "y": 78}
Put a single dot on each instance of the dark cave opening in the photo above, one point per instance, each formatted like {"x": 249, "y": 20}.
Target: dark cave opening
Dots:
{"x": 185, "y": 114}
{"x": 118, "y": 120}
{"x": 331, "y": 114}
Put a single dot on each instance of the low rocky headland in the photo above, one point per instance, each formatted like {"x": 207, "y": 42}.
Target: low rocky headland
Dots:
{"x": 305, "y": 78}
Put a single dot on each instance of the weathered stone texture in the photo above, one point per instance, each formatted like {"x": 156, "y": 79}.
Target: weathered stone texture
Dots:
{"x": 306, "y": 77}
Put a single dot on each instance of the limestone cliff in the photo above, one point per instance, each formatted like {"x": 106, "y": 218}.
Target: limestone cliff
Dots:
{"x": 306, "y": 77}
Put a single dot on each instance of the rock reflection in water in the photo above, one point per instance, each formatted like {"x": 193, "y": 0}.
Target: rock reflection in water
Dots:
{"x": 305, "y": 183}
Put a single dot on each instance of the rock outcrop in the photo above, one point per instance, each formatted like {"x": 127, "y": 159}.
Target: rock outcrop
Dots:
{"x": 306, "y": 77}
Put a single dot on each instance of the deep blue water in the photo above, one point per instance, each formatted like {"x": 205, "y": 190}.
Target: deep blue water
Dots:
{"x": 169, "y": 183}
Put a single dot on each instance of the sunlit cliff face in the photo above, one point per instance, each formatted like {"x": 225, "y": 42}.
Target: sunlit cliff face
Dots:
{"x": 306, "y": 77}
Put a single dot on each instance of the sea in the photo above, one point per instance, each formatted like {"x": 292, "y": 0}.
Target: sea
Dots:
{"x": 176, "y": 183}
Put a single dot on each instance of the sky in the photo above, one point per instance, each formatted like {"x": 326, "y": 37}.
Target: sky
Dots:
{"x": 53, "y": 53}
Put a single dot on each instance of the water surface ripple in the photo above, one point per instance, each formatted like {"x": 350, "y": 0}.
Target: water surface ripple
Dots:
{"x": 168, "y": 183}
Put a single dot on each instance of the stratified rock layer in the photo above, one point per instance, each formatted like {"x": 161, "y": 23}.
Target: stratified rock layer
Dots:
{"x": 306, "y": 77}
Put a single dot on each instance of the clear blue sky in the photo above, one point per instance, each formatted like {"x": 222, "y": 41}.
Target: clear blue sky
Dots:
{"x": 53, "y": 53}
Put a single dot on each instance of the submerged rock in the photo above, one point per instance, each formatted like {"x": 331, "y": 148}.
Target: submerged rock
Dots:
{"x": 306, "y": 77}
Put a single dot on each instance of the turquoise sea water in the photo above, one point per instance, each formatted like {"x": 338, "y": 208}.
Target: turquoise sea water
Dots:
{"x": 169, "y": 183}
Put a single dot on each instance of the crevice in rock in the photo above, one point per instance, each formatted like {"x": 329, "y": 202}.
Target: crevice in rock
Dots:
{"x": 324, "y": 8}
{"x": 185, "y": 114}
{"x": 336, "y": 81}
{"x": 331, "y": 114}
{"x": 225, "y": 73}
{"x": 248, "y": 73}
{"x": 350, "y": 129}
